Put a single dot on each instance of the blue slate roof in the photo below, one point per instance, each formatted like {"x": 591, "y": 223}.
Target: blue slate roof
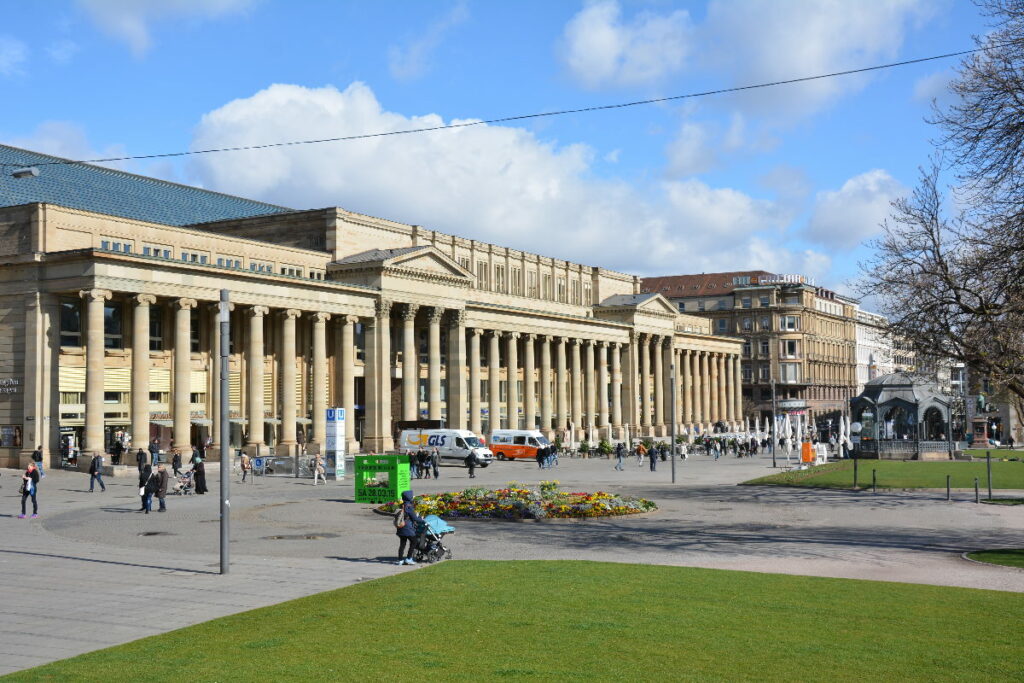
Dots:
{"x": 104, "y": 190}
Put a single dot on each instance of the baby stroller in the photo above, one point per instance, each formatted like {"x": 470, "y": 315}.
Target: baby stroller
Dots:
{"x": 185, "y": 485}
{"x": 429, "y": 547}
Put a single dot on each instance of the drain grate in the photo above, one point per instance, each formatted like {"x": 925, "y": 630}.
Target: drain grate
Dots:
{"x": 299, "y": 537}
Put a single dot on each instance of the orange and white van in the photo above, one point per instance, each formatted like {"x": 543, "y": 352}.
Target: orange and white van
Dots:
{"x": 511, "y": 444}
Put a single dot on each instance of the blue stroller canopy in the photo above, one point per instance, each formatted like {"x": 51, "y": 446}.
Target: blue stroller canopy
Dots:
{"x": 438, "y": 525}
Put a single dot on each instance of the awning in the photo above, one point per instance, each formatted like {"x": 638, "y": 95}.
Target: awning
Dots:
{"x": 271, "y": 420}
{"x": 303, "y": 420}
{"x": 239, "y": 420}
{"x": 201, "y": 421}
{"x": 162, "y": 423}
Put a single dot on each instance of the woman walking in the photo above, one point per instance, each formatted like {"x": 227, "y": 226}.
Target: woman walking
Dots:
{"x": 318, "y": 469}
{"x": 406, "y": 532}
{"x": 199, "y": 474}
{"x": 29, "y": 487}
{"x": 161, "y": 489}
{"x": 145, "y": 488}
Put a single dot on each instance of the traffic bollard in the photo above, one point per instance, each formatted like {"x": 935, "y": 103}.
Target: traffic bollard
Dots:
{"x": 988, "y": 465}
{"x": 874, "y": 482}
{"x": 948, "y": 493}
{"x": 977, "y": 494}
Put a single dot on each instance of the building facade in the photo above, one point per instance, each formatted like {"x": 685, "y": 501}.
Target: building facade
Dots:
{"x": 798, "y": 338}
{"x": 108, "y": 326}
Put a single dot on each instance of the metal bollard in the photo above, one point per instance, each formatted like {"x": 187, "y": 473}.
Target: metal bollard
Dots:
{"x": 988, "y": 465}
{"x": 874, "y": 482}
{"x": 948, "y": 496}
{"x": 855, "y": 460}
{"x": 977, "y": 495}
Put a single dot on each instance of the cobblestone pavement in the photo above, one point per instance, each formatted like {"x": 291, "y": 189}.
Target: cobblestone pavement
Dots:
{"x": 89, "y": 571}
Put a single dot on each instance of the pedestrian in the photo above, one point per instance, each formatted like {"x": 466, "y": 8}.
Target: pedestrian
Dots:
{"x": 414, "y": 463}
{"x": 246, "y": 465}
{"x": 176, "y": 462}
{"x": 96, "y": 473}
{"x": 654, "y": 458}
{"x": 718, "y": 448}
{"x": 116, "y": 451}
{"x": 161, "y": 490}
{"x": 154, "y": 450}
{"x": 318, "y": 469}
{"x": 435, "y": 462}
{"x": 145, "y": 492}
{"x": 620, "y": 453}
{"x": 541, "y": 454}
{"x": 30, "y": 487}
{"x": 1009, "y": 442}
{"x": 424, "y": 458}
{"x": 406, "y": 531}
{"x": 196, "y": 457}
{"x": 199, "y": 475}
{"x": 140, "y": 459}
{"x": 37, "y": 458}
{"x": 641, "y": 451}
{"x": 471, "y": 463}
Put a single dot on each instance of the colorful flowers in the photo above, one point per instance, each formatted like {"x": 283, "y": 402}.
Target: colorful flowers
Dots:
{"x": 518, "y": 502}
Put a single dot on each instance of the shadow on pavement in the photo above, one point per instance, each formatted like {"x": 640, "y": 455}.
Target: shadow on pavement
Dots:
{"x": 123, "y": 564}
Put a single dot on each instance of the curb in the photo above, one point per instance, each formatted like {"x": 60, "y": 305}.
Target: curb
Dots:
{"x": 964, "y": 554}
{"x": 545, "y": 520}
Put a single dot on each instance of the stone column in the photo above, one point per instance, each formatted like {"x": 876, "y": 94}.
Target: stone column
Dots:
{"x": 529, "y": 393}
{"x": 561, "y": 386}
{"x": 347, "y": 379}
{"x": 723, "y": 402}
{"x": 576, "y": 387}
{"x": 181, "y": 412}
{"x": 378, "y": 380}
{"x": 659, "y": 387}
{"x": 737, "y": 373}
{"x": 410, "y": 365}
{"x": 94, "y": 354}
{"x": 434, "y": 363}
{"x": 646, "y": 417}
{"x": 457, "y": 370}
{"x": 616, "y": 353}
{"x": 254, "y": 362}
{"x": 319, "y": 399}
{"x": 474, "y": 381}
{"x": 140, "y": 369}
{"x": 590, "y": 385}
{"x": 705, "y": 388}
{"x": 512, "y": 378}
{"x": 545, "y": 383}
{"x": 602, "y": 384}
{"x": 494, "y": 380}
{"x": 630, "y": 374}
{"x": 716, "y": 406}
{"x": 727, "y": 386}
{"x": 687, "y": 361}
{"x": 287, "y": 362}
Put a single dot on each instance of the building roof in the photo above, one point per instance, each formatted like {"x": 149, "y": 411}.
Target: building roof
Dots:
{"x": 76, "y": 185}
{"x": 379, "y": 254}
{"x": 626, "y": 299}
{"x": 704, "y": 284}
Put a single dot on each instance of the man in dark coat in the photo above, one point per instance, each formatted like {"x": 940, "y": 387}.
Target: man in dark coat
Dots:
{"x": 653, "y": 458}
{"x": 140, "y": 459}
{"x": 407, "y": 532}
{"x": 471, "y": 464}
{"x": 154, "y": 451}
{"x": 161, "y": 492}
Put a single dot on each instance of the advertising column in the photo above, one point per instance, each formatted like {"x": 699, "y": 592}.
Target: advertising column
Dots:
{"x": 335, "y": 442}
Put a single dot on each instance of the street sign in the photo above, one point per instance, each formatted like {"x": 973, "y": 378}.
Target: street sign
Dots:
{"x": 335, "y": 445}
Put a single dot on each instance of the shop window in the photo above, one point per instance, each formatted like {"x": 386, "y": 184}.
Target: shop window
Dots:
{"x": 70, "y": 323}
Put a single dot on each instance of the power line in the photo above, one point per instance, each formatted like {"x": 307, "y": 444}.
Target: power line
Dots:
{"x": 523, "y": 117}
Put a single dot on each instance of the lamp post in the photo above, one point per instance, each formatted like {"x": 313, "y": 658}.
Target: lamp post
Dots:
{"x": 675, "y": 414}
{"x": 774, "y": 423}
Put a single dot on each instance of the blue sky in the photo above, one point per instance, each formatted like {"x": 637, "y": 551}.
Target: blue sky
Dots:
{"x": 791, "y": 179}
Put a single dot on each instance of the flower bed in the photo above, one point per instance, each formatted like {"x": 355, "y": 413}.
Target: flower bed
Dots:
{"x": 519, "y": 502}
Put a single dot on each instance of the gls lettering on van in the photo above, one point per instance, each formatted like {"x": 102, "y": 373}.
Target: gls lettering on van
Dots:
{"x": 437, "y": 440}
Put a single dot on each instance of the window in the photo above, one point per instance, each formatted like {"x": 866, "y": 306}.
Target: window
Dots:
{"x": 722, "y": 324}
{"x": 115, "y": 244}
{"x": 548, "y": 293}
{"x": 228, "y": 261}
{"x": 682, "y": 306}
{"x": 791, "y": 299}
{"x": 747, "y": 373}
{"x": 159, "y": 397}
{"x": 261, "y": 267}
{"x": 746, "y": 302}
{"x": 561, "y": 289}
{"x": 113, "y": 326}
{"x": 197, "y": 397}
{"x": 291, "y": 271}
{"x": 516, "y": 281}
{"x": 70, "y": 323}
{"x": 765, "y": 350}
{"x": 156, "y": 328}
{"x": 741, "y": 280}
{"x": 746, "y": 349}
{"x": 765, "y": 324}
{"x": 790, "y": 322}
{"x": 193, "y": 330}
{"x": 575, "y": 292}
{"x": 531, "y": 284}
{"x": 112, "y": 397}
{"x": 700, "y": 305}
{"x": 788, "y": 348}
{"x": 588, "y": 294}
{"x": 194, "y": 257}
{"x": 765, "y": 371}
{"x": 789, "y": 372}
{"x": 764, "y": 301}
{"x": 747, "y": 325}
{"x": 483, "y": 280}
{"x": 156, "y": 251}
{"x": 464, "y": 262}
{"x": 723, "y": 305}
{"x": 499, "y": 279}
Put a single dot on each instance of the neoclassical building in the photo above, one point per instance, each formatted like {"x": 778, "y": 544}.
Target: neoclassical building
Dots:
{"x": 109, "y": 285}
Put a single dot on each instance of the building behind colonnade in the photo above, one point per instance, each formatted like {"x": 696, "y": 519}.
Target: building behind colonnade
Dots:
{"x": 108, "y": 309}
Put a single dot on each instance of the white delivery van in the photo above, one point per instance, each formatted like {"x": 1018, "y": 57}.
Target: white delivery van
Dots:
{"x": 454, "y": 445}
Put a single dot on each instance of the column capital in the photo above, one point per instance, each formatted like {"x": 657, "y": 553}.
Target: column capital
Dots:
{"x": 258, "y": 311}
{"x": 435, "y": 315}
{"x": 382, "y": 308}
{"x": 527, "y": 336}
{"x": 96, "y": 294}
{"x": 186, "y": 304}
{"x": 291, "y": 313}
{"x": 514, "y": 335}
{"x": 457, "y": 318}
{"x": 667, "y": 340}
{"x": 214, "y": 306}
{"x": 144, "y": 299}
{"x": 320, "y": 317}
{"x": 343, "y": 319}
{"x": 409, "y": 312}
{"x": 476, "y": 332}
{"x": 496, "y": 334}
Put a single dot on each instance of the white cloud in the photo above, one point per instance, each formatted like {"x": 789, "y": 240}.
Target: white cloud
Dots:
{"x": 766, "y": 40}
{"x": 411, "y": 61}
{"x": 129, "y": 20}
{"x": 493, "y": 183}
{"x": 13, "y": 54}
{"x": 844, "y": 218}
{"x": 600, "y": 49}
{"x": 65, "y": 139}
{"x": 691, "y": 152}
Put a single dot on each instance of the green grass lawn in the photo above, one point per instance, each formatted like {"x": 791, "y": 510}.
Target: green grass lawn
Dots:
{"x": 558, "y": 621}
{"x": 1007, "y": 558}
{"x": 1001, "y": 453}
{"x": 900, "y": 474}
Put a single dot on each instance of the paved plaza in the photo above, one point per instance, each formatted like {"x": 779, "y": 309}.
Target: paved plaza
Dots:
{"x": 91, "y": 572}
